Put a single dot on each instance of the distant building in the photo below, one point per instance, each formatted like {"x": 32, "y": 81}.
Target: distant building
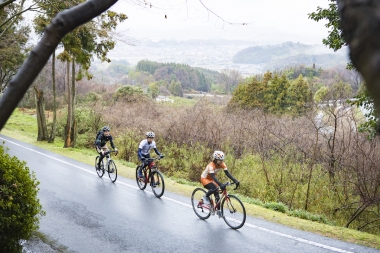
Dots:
{"x": 164, "y": 99}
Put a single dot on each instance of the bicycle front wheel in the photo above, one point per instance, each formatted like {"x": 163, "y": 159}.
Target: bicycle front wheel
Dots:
{"x": 99, "y": 171}
{"x": 157, "y": 183}
{"x": 201, "y": 209}
{"x": 141, "y": 182}
{"x": 112, "y": 171}
{"x": 233, "y": 212}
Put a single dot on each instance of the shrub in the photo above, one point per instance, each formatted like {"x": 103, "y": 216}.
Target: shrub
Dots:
{"x": 19, "y": 206}
{"x": 309, "y": 216}
{"x": 279, "y": 207}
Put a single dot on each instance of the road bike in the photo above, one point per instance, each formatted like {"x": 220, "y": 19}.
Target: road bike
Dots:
{"x": 231, "y": 208}
{"x": 110, "y": 166}
{"x": 152, "y": 176}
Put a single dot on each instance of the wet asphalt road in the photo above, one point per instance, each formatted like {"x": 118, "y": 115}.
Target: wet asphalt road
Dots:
{"x": 86, "y": 213}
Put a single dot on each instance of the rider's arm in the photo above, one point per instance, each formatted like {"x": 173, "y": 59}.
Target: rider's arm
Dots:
{"x": 214, "y": 178}
{"x": 99, "y": 140}
{"x": 158, "y": 153}
{"x": 111, "y": 142}
{"x": 228, "y": 174}
{"x": 139, "y": 154}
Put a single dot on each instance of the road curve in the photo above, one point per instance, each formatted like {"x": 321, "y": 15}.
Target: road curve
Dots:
{"x": 86, "y": 213}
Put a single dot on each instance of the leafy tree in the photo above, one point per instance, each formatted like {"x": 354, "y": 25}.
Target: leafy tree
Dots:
{"x": 92, "y": 38}
{"x": 176, "y": 88}
{"x": 154, "y": 89}
{"x": 321, "y": 94}
{"x": 335, "y": 38}
{"x": 13, "y": 49}
{"x": 128, "y": 93}
{"x": 300, "y": 96}
{"x": 341, "y": 90}
{"x": 20, "y": 208}
{"x": 249, "y": 95}
{"x": 60, "y": 26}
{"x": 276, "y": 94}
{"x": 203, "y": 83}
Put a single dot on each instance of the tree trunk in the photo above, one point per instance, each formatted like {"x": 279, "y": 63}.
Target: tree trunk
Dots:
{"x": 360, "y": 23}
{"x": 69, "y": 110}
{"x": 73, "y": 95}
{"x": 53, "y": 127}
{"x": 41, "y": 119}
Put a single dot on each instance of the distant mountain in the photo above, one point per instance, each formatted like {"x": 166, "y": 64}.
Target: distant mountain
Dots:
{"x": 193, "y": 42}
{"x": 289, "y": 53}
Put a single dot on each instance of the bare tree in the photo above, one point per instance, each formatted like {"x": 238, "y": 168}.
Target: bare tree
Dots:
{"x": 230, "y": 78}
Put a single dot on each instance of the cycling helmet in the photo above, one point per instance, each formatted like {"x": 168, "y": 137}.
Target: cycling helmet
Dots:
{"x": 106, "y": 128}
{"x": 218, "y": 155}
{"x": 150, "y": 135}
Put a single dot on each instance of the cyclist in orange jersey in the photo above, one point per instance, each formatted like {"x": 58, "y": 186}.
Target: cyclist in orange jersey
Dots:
{"x": 208, "y": 179}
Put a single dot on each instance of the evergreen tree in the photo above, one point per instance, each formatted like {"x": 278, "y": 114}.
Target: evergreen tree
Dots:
{"x": 300, "y": 96}
{"x": 276, "y": 95}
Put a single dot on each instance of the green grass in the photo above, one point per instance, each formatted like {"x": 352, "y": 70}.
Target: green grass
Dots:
{"x": 22, "y": 126}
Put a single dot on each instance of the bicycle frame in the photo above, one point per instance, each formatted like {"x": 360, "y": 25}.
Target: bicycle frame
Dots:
{"x": 213, "y": 205}
{"x": 147, "y": 170}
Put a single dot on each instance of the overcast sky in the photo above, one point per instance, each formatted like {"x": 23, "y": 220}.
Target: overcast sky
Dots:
{"x": 268, "y": 21}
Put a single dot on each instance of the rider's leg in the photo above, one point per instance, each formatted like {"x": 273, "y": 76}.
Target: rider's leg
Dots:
{"x": 100, "y": 154}
{"x": 212, "y": 188}
{"x": 143, "y": 165}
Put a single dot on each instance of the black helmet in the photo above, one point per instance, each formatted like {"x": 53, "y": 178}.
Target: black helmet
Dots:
{"x": 106, "y": 128}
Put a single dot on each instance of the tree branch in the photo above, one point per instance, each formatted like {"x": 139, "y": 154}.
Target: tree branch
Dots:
{"x": 62, "y": 24}
{"x": 3, "y": 4}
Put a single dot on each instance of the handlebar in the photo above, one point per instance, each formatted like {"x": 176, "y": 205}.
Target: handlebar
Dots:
{"x": 151, "y": 159}
{"x": 111, "y": 151}
{"x": 228, "y": 184}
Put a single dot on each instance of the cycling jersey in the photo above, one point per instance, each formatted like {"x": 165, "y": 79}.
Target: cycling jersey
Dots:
{"x": 102, "y": 140}
{"x": 213, "y": 168}
{"x": 145, "y": 146}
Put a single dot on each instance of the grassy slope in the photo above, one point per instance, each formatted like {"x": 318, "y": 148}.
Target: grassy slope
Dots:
{"x": 22, "y": 126}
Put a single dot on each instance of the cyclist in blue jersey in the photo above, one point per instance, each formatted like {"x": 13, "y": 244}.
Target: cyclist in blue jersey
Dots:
{"x": 144, "y": 151}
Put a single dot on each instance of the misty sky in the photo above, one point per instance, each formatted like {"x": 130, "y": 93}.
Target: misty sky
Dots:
{"x": 269, "y": 21}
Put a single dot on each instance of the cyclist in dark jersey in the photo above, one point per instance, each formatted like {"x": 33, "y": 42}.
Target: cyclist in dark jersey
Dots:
{"x": 101, "y": 143}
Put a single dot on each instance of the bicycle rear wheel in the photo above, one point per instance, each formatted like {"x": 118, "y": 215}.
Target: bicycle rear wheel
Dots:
{"x": 157, "y": 183}
{"x": 141, "y": 183}
{"x": 99, "y": 171}
{"x": 112, "y": 171}
{"x": 233, "y": 212}
{"x": 201, "y": 210}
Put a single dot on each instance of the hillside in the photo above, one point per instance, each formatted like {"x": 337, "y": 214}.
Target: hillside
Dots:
{"x": 289, "y": 53}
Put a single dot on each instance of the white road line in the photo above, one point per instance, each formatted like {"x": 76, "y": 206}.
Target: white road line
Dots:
{"x": 189, "y": 206}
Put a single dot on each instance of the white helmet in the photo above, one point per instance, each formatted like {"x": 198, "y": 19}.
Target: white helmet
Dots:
{"x": 150, "y": 134}
{"x": 218, "y": 155}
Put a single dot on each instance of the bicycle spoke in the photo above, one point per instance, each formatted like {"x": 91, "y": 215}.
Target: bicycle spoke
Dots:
{"x": 201, "y": 210}
{"x": 157, "y": 183}
{"x": 233, "y": 212}
{"x": 112, "y": 171}
{"x": 99, "y": 171}
{"x": 141, "y": 183}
